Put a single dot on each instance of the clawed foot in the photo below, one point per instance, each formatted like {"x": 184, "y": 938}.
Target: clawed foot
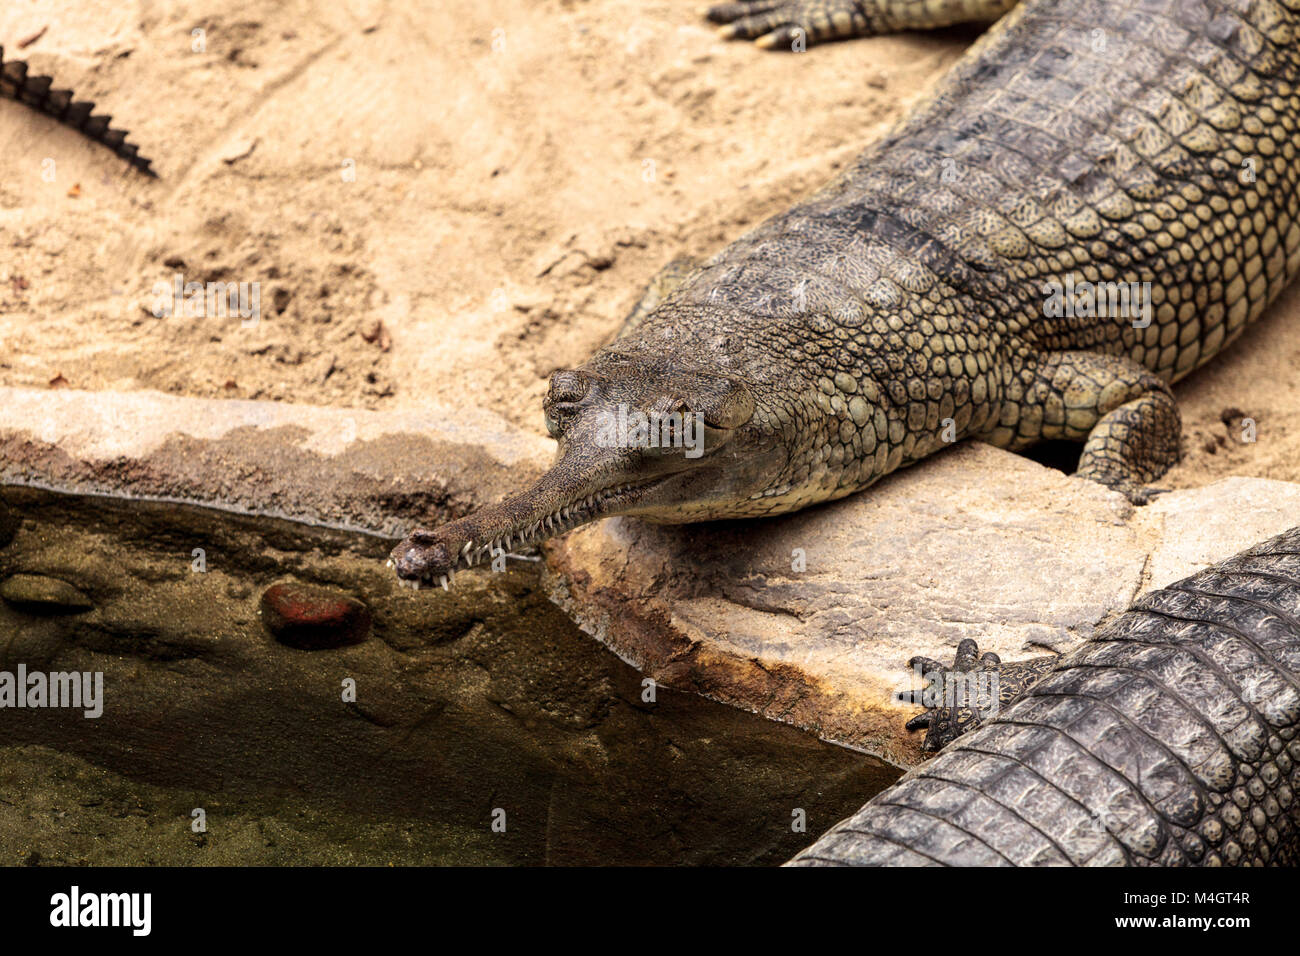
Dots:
{"x": 973, "y": 690}
{"x": 790, "y": 24}
{"x": 1137, "y": 494}
{"x": 1145, "y": 495}
{"x": 956, "y": 699}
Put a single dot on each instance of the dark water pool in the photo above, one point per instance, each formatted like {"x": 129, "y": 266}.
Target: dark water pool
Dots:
{"x": 454, "y": 712}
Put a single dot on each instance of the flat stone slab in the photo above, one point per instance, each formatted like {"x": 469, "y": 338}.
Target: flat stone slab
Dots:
{"x": 381, "y": 472}
{"x": 1202, "y": 526}
{"x": 975, "y": 542}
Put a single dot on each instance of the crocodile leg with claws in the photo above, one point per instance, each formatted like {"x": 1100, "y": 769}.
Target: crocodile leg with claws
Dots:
{"x": 796, "y": 24}
{"x": 947, "y": 717}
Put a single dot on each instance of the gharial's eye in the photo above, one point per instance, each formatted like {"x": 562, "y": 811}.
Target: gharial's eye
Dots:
{"x": 554, "y": 425}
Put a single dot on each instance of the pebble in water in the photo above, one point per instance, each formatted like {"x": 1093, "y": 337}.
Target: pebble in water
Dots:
{"x": 37, "y": 592}
{"x": 314, "y": 618}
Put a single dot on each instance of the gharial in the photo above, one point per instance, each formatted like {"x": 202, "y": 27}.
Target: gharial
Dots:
{"x": 959, "y": 280}
{"x": 1098, "y": 198}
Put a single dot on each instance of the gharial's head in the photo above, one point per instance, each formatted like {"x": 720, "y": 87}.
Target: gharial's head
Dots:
{"x": 638, "y": 434}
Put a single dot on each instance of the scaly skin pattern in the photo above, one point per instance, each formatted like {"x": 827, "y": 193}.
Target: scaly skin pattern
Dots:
{"x": 16, "y": 83}
{"x": 1169, "y": 739}
{"x": 909, "y": 302}
{"x": 946, "y": 719}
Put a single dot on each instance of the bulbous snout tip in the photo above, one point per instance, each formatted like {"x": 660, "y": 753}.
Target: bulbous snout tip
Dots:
{"x": 421, "y": 557}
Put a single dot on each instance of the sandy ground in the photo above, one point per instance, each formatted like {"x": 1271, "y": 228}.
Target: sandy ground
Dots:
{"x": 443, "y": 200}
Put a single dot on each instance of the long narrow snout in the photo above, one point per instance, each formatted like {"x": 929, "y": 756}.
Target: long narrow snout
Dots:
{"x": 631, "y": 433}
{"x": 564, "y": 498}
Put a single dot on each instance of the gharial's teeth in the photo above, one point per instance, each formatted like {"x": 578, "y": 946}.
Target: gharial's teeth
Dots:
{"x": 390, "y": 563}
{"x": 557, "y": 522}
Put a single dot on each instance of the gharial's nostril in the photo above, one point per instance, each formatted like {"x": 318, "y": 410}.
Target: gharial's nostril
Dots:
{"x": 406, "y": 563}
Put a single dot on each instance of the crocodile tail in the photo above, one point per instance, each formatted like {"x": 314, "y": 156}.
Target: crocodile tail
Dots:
{"x": 35, "y": 91}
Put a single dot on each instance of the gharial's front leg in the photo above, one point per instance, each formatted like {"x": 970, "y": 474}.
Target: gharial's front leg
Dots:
{"x": 1123, "y": 413}
{"x": 794, "y": 24}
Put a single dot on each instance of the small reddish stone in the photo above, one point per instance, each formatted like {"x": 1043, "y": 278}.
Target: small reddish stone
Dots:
{"x": 314, "y": 618}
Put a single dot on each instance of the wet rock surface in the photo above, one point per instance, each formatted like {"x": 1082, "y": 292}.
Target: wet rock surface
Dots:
{"x": 810, "y": 618}
{"x": 313, "y": 618}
